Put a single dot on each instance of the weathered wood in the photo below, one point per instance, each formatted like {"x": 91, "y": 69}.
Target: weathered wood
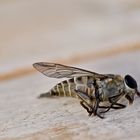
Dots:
{"x": 102, "y": 36}
{"x": 23, "y": 116}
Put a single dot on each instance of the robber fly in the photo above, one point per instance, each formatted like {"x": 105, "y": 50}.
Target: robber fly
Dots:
{"x": 90, "y": 87}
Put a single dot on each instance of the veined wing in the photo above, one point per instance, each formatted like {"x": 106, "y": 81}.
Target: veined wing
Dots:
{"x": 62, "y": 71}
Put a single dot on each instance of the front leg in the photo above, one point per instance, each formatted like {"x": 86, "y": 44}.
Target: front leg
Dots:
{"x": 114, "y": 99}
{"x": 114, "y": 105}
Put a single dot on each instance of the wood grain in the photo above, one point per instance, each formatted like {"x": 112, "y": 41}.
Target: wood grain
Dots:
{"x": 75, "y": 59}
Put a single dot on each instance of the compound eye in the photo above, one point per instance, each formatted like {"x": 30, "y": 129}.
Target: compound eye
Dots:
{"x": 130, "y": 82}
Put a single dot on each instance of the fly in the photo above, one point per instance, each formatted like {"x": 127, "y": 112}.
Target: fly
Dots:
{"x": 91, "y": 88}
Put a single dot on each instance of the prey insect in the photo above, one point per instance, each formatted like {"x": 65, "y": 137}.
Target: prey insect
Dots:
{"x": 91, "y": 88}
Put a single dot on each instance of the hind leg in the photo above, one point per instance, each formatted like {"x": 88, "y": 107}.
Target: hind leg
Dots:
{"x": 90, "y": 108}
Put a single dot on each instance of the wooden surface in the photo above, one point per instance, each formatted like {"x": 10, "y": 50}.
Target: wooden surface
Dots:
{"x": 95, "y": 35}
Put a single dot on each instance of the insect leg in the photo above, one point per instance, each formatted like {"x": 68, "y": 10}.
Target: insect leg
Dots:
{"x": 90, "y": 109}
{"x": 96, "y": 106}
{"x": 119, "y": 106}
{"x": 108, "y": 108}
{"x": 114, "y": 105}
{"x": 105, "y": 107}
{"x": 83, "y": 96}
{"x": 113, "y": 100}
{"x": 84, "y": 103}
{"x": 85, "y": 107}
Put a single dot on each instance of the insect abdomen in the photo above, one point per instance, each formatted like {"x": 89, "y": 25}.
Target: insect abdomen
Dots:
{"x": 67, "y": 88}
{"x": 64, "y": 89}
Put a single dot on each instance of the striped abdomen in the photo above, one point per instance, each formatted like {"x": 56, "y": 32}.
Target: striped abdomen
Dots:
{"x": 68, "y": 87}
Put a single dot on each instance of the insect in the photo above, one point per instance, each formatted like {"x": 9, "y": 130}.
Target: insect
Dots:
{"x": 91, "y": 88}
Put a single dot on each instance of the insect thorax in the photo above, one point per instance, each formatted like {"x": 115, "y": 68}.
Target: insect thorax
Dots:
{"x": 111, "y": 87}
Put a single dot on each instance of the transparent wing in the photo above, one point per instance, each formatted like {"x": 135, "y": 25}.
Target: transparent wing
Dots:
{"x": 61, "y": 71}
